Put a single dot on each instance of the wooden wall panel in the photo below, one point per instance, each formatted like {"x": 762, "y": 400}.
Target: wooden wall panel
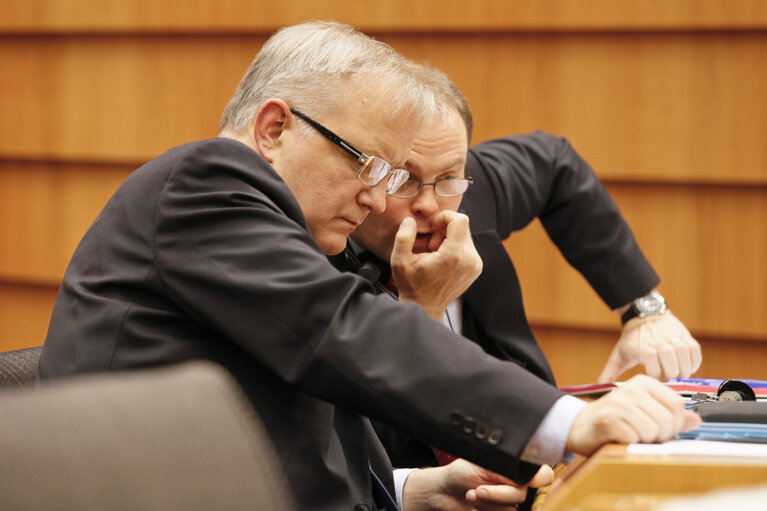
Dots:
{"x": 578, "y": 355}
{"x": 25, "y": 311}
{"x": 656, "y": 107}
{"x": 707, "y": 243}
{"x": 664, "y": 99}
{"x": 653, "y": 107}
{"x": 44, "y": 211}
{"x": 391, "y": 15}
{"x": 108, "y": 99}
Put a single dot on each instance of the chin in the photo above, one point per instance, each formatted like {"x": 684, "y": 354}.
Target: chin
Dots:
{"x": 332, "y": 246}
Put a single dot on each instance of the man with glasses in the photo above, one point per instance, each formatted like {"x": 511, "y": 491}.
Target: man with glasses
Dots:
{"x": 217, "y": 250}
{"x": 502, "y": 185}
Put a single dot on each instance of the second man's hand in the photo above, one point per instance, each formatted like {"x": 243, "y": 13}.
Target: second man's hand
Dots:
{"x": 464, "y": 486}
{"x": 434, "y": 279}
{"x": 662, "y": 344}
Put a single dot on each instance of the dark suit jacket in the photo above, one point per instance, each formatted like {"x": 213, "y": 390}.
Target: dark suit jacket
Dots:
{"x": 516, "y": 180}
{"x": 203, "y": 253}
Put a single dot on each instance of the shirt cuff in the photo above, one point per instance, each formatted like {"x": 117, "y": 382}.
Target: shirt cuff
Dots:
{"x": 400, "y": 475}
{"x": 547, "y": 445}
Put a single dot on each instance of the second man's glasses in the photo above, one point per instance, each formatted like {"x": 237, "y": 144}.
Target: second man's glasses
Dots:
{"x": 446, "y": 187}
{"x": 373, "y": 170}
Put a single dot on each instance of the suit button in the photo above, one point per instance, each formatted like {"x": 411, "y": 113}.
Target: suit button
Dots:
{"x": 456, "y": 418}
{"x": 468, "y": 425}
{"x": 481, "y": 430}
{"x": 361, "y": 507}
{"x": 495, "y": 436}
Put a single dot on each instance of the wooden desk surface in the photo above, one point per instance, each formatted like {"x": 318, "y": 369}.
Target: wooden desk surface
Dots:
{"x": 612, "y": 479}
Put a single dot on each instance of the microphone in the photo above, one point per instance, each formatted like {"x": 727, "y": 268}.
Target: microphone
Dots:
{"x": 370, "y": 272}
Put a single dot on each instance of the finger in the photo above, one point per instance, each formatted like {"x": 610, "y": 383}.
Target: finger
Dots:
{"x": 648, "y": 357}
{"x": 623, "y": 431}
{"x": 404, "y": 240}
{"x": 543, "y": 477}
{"x": 613, "y": 368}
{"x": 691, "y": 421}
{"x": 501, "y": 494}
{"x": 665, "y": 421}
{"x": 435, "y": 241}
{"x": 683, "y": 356}
{"x": 671, "y": 401}
{"x": 649, "y": 407}
{"x": 668, "y": 360}
{"x": 645, "y": 427}
{"x": 454, "y": 225}
{"x": 695, "y": 354}
{"x": 458, "y": 227}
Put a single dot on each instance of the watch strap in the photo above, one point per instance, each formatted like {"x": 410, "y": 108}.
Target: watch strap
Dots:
{"x": 630, "y": 313}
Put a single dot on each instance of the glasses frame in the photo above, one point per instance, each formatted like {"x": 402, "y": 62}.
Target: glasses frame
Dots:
{"x": 397, "y": 177}
{"x": 469, "y": 179}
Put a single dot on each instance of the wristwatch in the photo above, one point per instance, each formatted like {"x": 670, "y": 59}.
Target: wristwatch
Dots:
{"x": 651, "y": 304}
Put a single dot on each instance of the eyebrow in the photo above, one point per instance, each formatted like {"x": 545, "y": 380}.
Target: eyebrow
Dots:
{"x": 410, "y": 165}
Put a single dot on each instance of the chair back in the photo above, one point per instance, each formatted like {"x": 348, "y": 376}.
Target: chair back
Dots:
{"x": 176, "y": 438}
{"x": 18, "y": 368}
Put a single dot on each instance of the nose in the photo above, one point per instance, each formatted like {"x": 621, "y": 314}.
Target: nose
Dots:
{"x": 373, "y": 197}
{"x": 425, "y": 203}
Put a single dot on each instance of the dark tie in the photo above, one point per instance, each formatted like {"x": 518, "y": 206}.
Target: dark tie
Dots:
{"x": 383, "y": 499}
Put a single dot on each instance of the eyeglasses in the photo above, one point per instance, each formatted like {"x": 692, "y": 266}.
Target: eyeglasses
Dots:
{"x": 373, "y": 170}
{"x": 447, "y": 187}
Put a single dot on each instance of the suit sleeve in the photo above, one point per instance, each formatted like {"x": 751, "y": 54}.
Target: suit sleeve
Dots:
{"x": 520, "y": 178}
{"x": 234, "y": 253}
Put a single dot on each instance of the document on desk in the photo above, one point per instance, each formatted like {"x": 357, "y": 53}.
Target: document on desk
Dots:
{"x": 701, "y": 448}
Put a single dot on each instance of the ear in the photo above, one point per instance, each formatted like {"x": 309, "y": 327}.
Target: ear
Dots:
{"x": 272, "y": 120}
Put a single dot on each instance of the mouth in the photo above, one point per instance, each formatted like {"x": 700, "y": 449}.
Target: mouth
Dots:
{"x": 352, "y": 223}
{"x": 422, "y": 242}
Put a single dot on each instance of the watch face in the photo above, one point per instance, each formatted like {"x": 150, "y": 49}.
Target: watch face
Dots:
{"x": 649, "y": 305}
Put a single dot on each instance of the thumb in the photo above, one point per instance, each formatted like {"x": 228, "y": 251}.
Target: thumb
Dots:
{"x": 543, "y": 477}
{"x": 691, "y": 421}
{"x": 404, "y": 239}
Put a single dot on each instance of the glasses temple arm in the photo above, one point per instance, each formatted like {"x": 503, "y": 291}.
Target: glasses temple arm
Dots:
{"x": 340, "y": 142}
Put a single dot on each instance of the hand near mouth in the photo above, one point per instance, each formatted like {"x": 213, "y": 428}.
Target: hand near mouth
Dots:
{"x": 434, "y": 279}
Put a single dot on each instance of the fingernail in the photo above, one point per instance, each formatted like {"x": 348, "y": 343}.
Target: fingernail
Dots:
{"x": 482, "y": 493}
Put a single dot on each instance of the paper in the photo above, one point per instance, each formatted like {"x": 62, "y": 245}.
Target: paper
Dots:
{"x": 701, "y": 448}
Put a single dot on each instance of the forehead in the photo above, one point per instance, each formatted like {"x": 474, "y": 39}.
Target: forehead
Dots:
{"x": 366, "y": 122}
{"x": 439, "y": 147}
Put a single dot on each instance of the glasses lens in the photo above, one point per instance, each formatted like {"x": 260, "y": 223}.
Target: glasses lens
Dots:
{"x": 397, "y": 179}
{"x": 407, "y": 190}
{"x": 451, "y": 187}
{"x": 374, "y": 170}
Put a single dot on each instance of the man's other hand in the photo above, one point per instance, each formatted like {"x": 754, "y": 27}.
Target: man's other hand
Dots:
{"x": 463, "y": 486}
{"x": 641, "y": 410}
{"x": 662, "y": 344}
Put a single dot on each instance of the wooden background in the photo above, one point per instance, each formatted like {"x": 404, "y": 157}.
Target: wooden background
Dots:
{"x": 665, "y": 98}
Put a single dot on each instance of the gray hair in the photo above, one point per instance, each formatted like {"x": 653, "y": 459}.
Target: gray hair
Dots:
{"x": 449, "y": 97}
{"x": 307, "y": 65}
